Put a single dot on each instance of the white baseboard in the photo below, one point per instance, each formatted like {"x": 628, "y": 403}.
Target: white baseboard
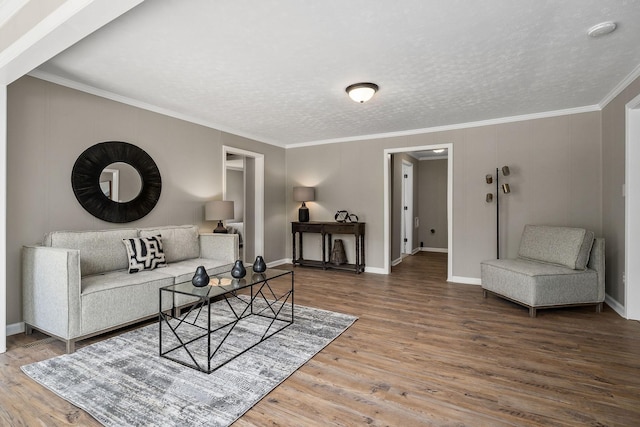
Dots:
{"x": 396, "y": 262}
{"x": 15, "y": 328}
{"x": 439, "y": 250}
{"x": 465, "y": 280}
{"x": 279, "y": 262}
{"x": 374, "y": 270}
{"x": 415, "y": 251}
{"x": 615, "y": 305}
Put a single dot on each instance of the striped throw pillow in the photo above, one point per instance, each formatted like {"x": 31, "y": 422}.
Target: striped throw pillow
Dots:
{"x": 145, "y": 253}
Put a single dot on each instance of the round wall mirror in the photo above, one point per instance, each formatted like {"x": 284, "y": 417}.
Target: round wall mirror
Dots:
{"x": 120, "y": 182}
{"x": 116, "y": 181}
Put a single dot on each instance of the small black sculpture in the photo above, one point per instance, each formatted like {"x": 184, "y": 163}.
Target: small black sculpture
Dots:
{"x": 259, "y": 266}
{"x": 201, "y": 278}
{"x": 238, "y": 271}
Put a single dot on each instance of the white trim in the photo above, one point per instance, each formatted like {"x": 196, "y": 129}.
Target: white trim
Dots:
{"x": 279, "y": 262}
{"x": 415, "y": 251}
{"x": 631, "y": 193}
{"x": 375, "y": 270}
{"x": 615, "y": 305}
{"x": 69, "y": 23}
{"x": 259, "y": 191}
{"x": 396, "y": 262}
{"x": 3, "y": 218}
{"x": 620, "y": 87}
{"x": 146, "y": 106}
{"x": 15, "y": 328}
{"x": 465, "y": 280}
{"x": 502, "y": 120}
{"x": 386, "y": 162}
{"x": 439, "y": 250}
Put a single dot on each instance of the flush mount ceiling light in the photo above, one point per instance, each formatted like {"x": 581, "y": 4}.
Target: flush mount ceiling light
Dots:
{"x": 439, "y": 150}
{"x": 602, "y": 29}
{"x": 362, "y": 92}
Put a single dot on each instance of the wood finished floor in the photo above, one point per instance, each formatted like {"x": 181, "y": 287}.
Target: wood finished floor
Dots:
{"x": 423, "y": 352}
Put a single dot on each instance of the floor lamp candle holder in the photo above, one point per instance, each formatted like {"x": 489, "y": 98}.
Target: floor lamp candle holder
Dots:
{"x": 506, "y": 189}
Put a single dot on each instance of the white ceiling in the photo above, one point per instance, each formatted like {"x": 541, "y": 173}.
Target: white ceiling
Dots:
{"x": 276, "y": 70}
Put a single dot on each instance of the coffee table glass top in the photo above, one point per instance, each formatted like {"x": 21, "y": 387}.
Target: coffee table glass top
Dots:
{"x": 223, "y": 283}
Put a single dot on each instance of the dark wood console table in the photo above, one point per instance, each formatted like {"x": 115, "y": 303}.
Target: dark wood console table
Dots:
{"x": 327, "y": 229}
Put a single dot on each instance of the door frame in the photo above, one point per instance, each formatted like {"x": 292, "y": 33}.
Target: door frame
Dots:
{"x": 386, "y": 158}
{"x": 258, "y": 216}
{"x": 407, "y": 169}
{"x": 631, "y": 274}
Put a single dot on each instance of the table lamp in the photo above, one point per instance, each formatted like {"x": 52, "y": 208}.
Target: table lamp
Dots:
{"x": 217, "y": 210}
{"x": 304, "y": 194}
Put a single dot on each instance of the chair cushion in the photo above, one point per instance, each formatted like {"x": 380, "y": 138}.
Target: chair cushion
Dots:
{"x": 564, "y": 246}
{"x": 539, "y": 284}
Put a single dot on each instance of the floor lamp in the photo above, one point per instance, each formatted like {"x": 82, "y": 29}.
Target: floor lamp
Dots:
{"x": 489, "y": 198}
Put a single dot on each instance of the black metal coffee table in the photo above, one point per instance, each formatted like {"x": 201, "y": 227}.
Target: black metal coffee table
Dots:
{"x": 209, "y": 326}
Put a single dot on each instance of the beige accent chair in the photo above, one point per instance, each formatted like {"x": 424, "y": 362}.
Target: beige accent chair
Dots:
{"x": 555, "y": 267}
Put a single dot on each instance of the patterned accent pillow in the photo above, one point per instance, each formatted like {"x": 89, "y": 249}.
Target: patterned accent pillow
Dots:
{"x": 145, "y": 253}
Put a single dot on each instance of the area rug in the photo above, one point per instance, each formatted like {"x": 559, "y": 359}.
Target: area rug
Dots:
{"x": 122, "y": 381}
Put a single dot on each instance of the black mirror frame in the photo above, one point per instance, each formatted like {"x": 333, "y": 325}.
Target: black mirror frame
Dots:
{"x": 85, "y": 181}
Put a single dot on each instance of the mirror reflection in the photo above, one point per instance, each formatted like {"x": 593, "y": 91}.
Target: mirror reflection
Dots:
{"x": 120, "y": 182}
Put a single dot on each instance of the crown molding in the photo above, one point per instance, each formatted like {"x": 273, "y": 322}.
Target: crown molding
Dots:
{"x": 502, "y": 120}
{"x": 617, "y": 90}
{"x": 42, "y": 75}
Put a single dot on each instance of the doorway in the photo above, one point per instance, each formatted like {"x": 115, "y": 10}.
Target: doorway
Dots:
{"x": 388, "y": 194}
{"x": 250, "y": 196}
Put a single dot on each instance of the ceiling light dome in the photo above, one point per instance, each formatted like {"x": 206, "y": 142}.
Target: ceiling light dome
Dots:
{"x": 362, "y": 92}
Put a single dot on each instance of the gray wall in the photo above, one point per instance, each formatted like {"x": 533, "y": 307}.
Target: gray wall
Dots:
{"x": 235, "y": 192}
{"x": 50, "y": 125}
{"x": 613, "y": 167}
{"x": 432, "y": 178}
{"x": 556, "y": 178}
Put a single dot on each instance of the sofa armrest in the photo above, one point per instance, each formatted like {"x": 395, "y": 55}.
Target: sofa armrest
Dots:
{"x": 51, "y": 289}
{"x": 596, "y": 262}
{"x": 219, "y": 246}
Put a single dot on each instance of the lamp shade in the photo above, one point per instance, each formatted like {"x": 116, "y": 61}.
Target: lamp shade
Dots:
{"x": 304, "y": 194}
{"x": 216, "y": 210}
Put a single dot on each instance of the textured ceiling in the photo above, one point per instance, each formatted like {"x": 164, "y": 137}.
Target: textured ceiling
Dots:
{"x": 275, "y": 70}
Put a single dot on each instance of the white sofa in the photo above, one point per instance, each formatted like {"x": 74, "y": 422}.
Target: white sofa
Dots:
{"x": 556, "y": 266}
{"x": 77, "y": 283}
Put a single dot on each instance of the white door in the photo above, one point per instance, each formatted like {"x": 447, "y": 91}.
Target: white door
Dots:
{"x": 407, "y": 208}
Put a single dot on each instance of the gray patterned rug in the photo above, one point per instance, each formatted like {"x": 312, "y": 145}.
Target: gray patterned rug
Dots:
{"x": 122, "y": 381}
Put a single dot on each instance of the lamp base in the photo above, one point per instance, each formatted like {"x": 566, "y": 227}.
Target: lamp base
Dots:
{"x": 220, "y": 228}
{"x": 303, "y": 214}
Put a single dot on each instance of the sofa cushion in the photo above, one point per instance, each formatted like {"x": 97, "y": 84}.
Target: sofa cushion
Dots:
{"x": 100, "y": 250}
{"x": 564, "y": 246}
{"x": 179, "y": 242}
{"x": 145, "y": 253}
{"x": 183, "y": 270}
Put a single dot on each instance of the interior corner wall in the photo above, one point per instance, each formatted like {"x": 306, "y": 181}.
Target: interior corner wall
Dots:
{"x": 613, "y": 203}
{"x": 432, "y": 179}
{"x": 235, "y": 192}
{"x": 50, "y": 125}
{"x": 556, "y": 179}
